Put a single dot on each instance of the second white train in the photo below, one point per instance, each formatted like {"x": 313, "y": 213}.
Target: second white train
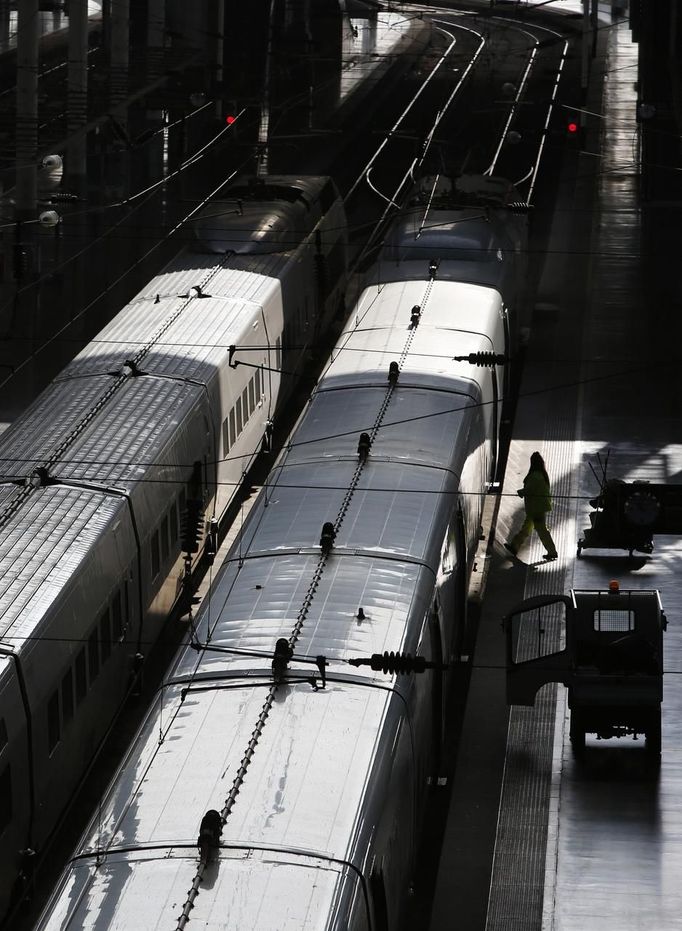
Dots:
{"x": 279, "y": 782}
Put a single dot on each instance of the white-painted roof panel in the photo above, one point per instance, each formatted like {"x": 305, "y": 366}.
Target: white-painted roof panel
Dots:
{"x": 310, "y": 768}
{"x": 453, "y": 324}
{"x": 254, "y": 606}
{"x": 184, "y": 337}
{"x": 246, "y": 891}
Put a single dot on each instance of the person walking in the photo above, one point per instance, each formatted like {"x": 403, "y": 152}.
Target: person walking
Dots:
{"x": 537, "y": 500}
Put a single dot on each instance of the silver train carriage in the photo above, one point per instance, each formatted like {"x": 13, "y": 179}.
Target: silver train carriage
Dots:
{"x": 475, "y": 229}
{"x": 275, "y": 785}
{"x": 152, "y": 426}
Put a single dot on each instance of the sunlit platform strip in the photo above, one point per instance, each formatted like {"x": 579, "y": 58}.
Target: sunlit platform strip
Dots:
{"x": 594, "y": 846}
{"x": 615, "y": 838}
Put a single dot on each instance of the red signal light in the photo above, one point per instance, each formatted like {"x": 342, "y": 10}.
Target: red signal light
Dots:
{"x": 572, "y": 127}
{"x": 230, "y": 118}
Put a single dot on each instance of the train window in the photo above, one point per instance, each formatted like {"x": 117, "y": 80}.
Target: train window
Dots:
{"x": 93, "y": 655}
{"x": 117, "y": 618}
{"x": 246, "y": 411}
{"x": 81, "y": 677}
{"x": 164, "y": 532}
{"x": 5, "y": 798}
{"x": 53, "y": 722}
{"x": 233, "y": 427}
{"x": 278, "y": 353}
{"x": 105, "y": 636}
{"x": 67, "y": 696}
{"x": 156, "y": 554}
{"x": 226, "y": 436}
{"x": 259, "y": 385}
{"x": 3, "y": 734}
{"x": 238, "y": 407}
{"x": 252, "y": 395}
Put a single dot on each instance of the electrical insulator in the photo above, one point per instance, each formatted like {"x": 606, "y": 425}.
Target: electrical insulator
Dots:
{"x": 393, "y": 372}
{"x": 192, "y": 526}
{"x": 364, "y": 444}
{"x": 210, "y": 830}
{"x": 483, "y": 359}
{"x": 327, "y": 536}
{"x": 415, "y": 315}
{"x": 281, "y": 657}
{"x": 394, "y": 662}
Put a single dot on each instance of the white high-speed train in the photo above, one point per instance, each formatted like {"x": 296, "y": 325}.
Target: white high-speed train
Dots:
{"x": 110, "y": 479}
{"x": 276, "y": 784}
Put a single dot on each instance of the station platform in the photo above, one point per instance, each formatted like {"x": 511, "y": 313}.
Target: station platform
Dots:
{"x": 536, "y": 840}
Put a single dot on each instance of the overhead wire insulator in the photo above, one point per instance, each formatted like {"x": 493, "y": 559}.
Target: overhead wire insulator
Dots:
{"x": 327, "y": 536}
{"x": 280, "y": 660}
{"x": 364, "y": 444}
{"x": 483, "y": 359}
{"x": 395, "y": 662}
{"x": 433, "y": 267}
{"x": 393, "y": 372}
{"x": 415, "y": 315}
{"x": 210, "y": 830}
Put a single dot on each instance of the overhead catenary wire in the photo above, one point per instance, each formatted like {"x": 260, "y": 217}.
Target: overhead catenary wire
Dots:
{"x": 339, "y": 434}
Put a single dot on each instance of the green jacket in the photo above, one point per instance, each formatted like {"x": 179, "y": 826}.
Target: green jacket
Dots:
{"x": 536, "y": 495}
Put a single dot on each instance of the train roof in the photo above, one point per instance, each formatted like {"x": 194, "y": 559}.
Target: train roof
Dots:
{"x": 263, "y": 215}
{"x": 474, "y": 228}
{"x": 42, "y": 549}
{"x": 45, "y": 541}
{"x": 456, "y": 319}
{"x": 291, "y": 834}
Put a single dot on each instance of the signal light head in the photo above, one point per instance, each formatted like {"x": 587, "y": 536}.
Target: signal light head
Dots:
{"x": 572, "y": 127}
{"x": 230, "y": 118}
